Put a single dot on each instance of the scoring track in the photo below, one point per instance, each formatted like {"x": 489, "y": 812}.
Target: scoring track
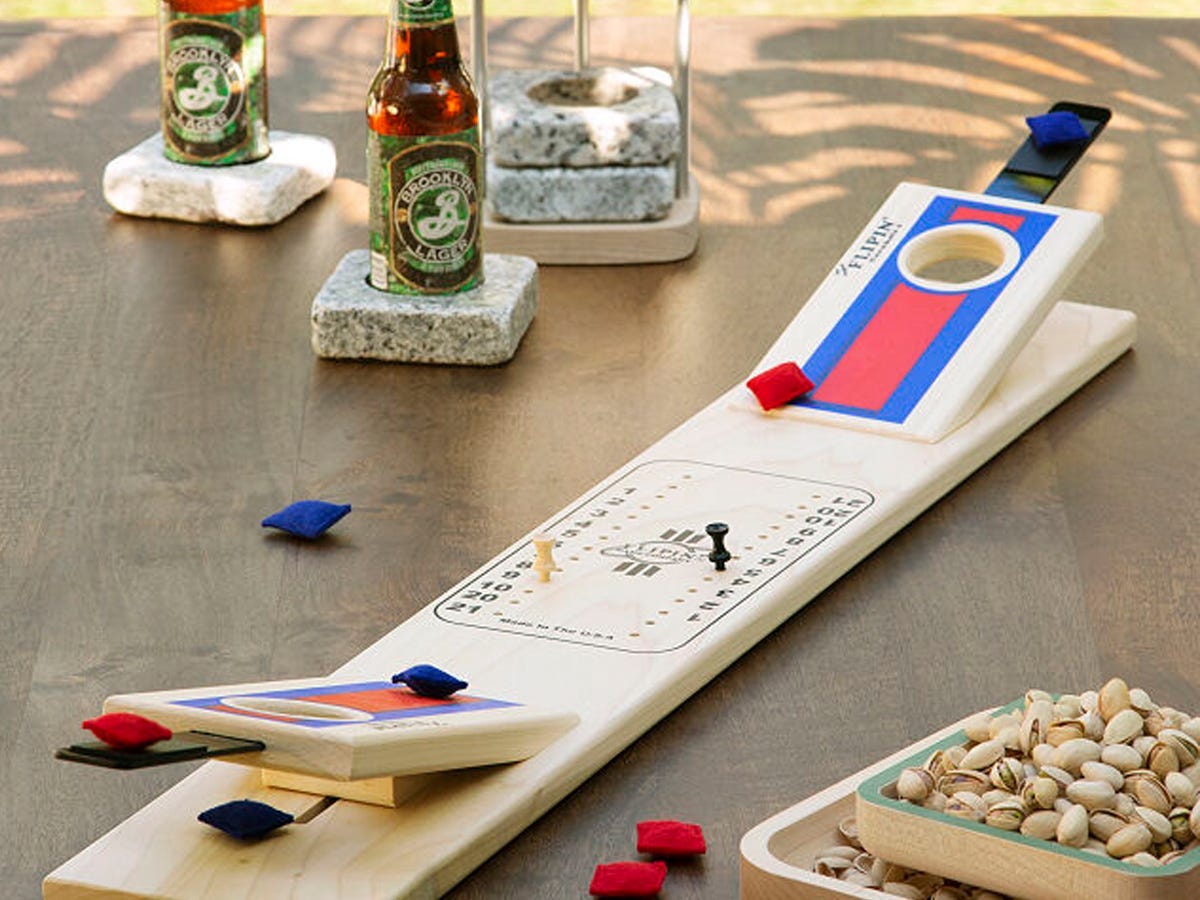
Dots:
{"x": 634, "y": 556}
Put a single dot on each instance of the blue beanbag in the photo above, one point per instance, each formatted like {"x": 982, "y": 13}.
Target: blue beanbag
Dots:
{"x": 429, "y": 681}
{"x": 1054, "y": 128}
{"x": 307, "y": 518}
{"x": 245, "y": 819}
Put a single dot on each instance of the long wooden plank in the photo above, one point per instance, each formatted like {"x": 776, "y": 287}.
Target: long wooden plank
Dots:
{"x": 868, "y": 485}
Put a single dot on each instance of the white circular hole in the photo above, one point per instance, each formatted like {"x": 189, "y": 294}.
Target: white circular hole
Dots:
{"x": 931, "y": 259}
{"x": 296, "y": 709}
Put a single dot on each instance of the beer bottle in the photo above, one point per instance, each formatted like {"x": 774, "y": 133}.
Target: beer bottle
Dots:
{"x": 423, "y": 157}
{"x": 214, "y": 81}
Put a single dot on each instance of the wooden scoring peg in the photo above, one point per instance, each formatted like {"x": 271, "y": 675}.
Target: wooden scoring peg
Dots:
{"x": 544, "y": 563}
{"x": 719, "y": 555}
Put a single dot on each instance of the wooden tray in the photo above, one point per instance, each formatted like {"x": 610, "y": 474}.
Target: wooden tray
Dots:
{"x": 1000, "y": 860}
{"x": 778, "y": 853}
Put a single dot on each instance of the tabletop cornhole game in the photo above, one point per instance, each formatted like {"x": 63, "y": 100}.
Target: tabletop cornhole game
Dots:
{"x": 350, "y": 730}
{"x": 643, "y": 604}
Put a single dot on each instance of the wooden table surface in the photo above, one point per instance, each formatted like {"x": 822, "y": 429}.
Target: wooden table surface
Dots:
{"x": 158, "y": 397}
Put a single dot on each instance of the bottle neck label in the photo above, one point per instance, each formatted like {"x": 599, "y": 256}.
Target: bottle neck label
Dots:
{"x": 422, "y": 12}
{"x": 425, "y": 213}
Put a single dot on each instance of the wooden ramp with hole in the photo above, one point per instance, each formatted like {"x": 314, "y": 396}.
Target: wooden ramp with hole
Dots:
{"x": 918, "y": 383}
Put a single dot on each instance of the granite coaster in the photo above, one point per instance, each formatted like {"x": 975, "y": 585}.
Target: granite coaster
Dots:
{"x": 597, "y": 194}
{"x": 598, "y": 117}
{"x": 143, "y": 182}
{"x": 482, "y": 327}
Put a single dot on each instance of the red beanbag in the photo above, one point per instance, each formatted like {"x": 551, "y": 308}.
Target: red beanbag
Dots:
{"x": 779, "y": 384}
{"x": 628, "y": 879}
{"x": 670, "y": 838}
{"x": 127, "y": 731}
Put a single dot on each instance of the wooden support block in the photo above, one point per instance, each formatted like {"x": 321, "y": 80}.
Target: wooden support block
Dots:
{"x": 375, "y": 791}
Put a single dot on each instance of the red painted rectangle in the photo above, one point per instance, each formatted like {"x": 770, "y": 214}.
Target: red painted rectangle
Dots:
{"x": 1008, "y": 221}
{"x": 887, "y": 348}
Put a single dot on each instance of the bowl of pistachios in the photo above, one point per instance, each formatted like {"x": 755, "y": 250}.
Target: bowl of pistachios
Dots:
{"x": 1090, "y": 795}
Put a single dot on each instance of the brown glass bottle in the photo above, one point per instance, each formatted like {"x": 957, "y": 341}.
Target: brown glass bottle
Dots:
{"x": 423, "y": 157}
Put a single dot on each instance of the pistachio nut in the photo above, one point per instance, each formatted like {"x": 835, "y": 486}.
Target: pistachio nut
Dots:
{"x": 1040, "y": 792}
{"x": 1092, "y": 794}
{"x": 1003, "y": 722}
{"x": 963, "y": 780}
{"x": 831, "y": 866}
{"x": 1113, "y": 698}
{"x": 1072, "y": 830}
{"x": 1194, "y": 821}
{"x": 1122, "y": 757}
{"x": 1100, "y": 771}
{"x": 982, "y": 756}
{"x": 1006, "y": 815}
{"x": 1162, "y": 759}
{"x": 1154, "y": 722}
{"x": 935, "y": 801}
{"x": 1122, "y": 727}
{"x": 1033, "y": 695}
{"x": 861, "y": 879}
{"x": 1148, "y": 790}
{"x": 1008, "y": 774}
{"x": 1061, "y": 776}
{"x": 1061, "y": 732}
{"x": 966, "y": 805}
{"x": 1191, "y": 728}
{"x": 1143, "y": 744}
{"x": 939, "y": 764}
{"x": 1042, "y": 755}
{"x": 978, "y": 727}
{"x": 1104, "y": 823}
{"x": 1093, "y": 726}
{"x": 1133, "y": 838}
{"x": 1180, "y": 830}
{"x": 1038, "y": 716}
{"x": 1185, "y": 746}
{"x": 1068, "y": 706}
{"x": 848, "y": 829}
{"x": 914, "y": 784}
{"x": 1125, "y": 804}
{"x": 1140, "y": 700}
{"x": 1041, "y": 824}
{"x": 1072, "y": 754}
{"x": 1181, "y": 788}
{"x": 1144, "y": 859}
{"x": 954, "y": 755}
{"x": 839, "y": 850}
{"x": 1159, "y": 825}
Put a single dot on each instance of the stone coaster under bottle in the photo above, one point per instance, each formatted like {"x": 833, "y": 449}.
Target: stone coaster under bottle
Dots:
{"x": 590, "y": 146}
{"x": 143, "y": 182}
{"x": 481, "y": 327}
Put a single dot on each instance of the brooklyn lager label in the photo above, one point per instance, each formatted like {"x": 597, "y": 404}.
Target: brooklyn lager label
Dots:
{"x": 214, "y": 88}
{"x": 425, "y": 213}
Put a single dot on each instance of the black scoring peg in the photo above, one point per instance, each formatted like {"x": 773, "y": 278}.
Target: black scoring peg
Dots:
{"x": 719, "y": 555}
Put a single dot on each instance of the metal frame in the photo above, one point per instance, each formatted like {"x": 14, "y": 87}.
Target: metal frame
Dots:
{"x": 681, "y": 76}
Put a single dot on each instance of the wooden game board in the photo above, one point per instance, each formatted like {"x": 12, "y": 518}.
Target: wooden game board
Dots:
{"x": 353, "y": 729}
{"x": 638, "y": 619}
